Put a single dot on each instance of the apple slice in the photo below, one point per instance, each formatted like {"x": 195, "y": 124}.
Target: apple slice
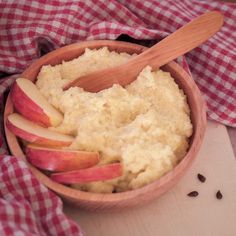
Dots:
{"x": 30, "y": 103}
{"x": 59, "y": 159}
{"x": 97, "y": 173}
{"x": 34, "y": 133}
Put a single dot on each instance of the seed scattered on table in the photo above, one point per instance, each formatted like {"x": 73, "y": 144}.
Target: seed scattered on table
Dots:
{"x": 219, "y": 195}
{"x": 201, "y": 178}
{"x": 193, "y": 194}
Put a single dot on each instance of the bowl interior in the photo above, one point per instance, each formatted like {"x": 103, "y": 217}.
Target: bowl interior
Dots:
{"x": 95, "y": 201}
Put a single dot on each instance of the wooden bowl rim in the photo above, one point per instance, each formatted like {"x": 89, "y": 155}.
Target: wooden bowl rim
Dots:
{"x": 111, "y": 197}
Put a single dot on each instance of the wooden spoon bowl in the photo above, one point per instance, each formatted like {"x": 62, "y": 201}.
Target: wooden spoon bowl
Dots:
{"x": 95, "y": 201}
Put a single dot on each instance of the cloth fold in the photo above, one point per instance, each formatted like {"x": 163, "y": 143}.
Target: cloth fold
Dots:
{"x": 26, "y": 206}
{"x": 29, "y": 29}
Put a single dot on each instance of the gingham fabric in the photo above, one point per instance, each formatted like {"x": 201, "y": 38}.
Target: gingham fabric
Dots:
{"x": 27, "y": 207}
{"x": 31, "y": 28}
{"x": 28, "y": 27}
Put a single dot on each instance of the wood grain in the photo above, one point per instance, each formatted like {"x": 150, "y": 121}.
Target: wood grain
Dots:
{"x": 176, "y": 44}
{"x": 92, "y": 201}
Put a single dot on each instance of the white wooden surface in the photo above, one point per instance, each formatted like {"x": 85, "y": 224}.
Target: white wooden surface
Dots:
{"x": 176, "y": 214}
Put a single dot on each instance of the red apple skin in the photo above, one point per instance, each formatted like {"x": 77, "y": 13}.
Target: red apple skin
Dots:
{"x": 97, "y": 173}
{"x": 60, "y": 160}
{"x": 27, "y": 107}
{"x": 32, "y": 138}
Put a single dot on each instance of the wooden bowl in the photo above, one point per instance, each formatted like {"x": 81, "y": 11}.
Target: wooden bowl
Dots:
{"x": 95, "y": 201}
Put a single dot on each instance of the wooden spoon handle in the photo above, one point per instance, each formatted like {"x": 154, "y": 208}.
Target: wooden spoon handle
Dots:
{"x": 181, "y": 41}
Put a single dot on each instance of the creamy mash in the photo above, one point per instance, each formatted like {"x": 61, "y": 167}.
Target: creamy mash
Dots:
{"x": 145, "y": 126}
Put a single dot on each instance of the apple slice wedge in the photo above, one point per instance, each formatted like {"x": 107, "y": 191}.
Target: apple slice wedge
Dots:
{"x": 96, "y": 173}
{"x": 30, "y": 103}
{"x": 34, "y": 133}
{"x": 60, "y": 160}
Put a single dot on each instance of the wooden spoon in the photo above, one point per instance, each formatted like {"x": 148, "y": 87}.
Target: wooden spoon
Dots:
{"x": 176, "y": 44}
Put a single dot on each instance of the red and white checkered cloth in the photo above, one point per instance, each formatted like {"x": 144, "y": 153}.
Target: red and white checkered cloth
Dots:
{"x": 27, "y": 208}
{"x": 29, "y": 27}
